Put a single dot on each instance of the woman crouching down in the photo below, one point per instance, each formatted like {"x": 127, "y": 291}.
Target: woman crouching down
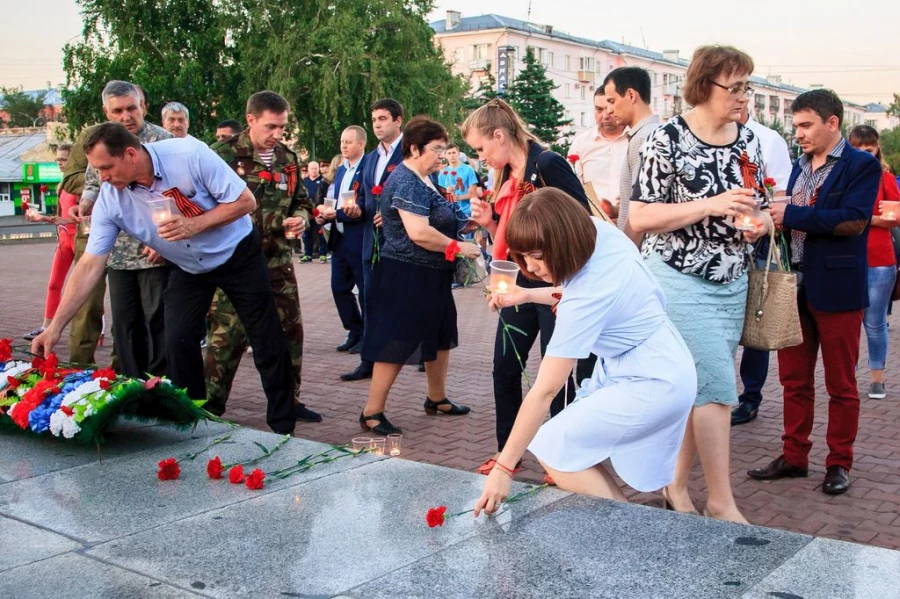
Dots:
{"x": 634, "y": 408}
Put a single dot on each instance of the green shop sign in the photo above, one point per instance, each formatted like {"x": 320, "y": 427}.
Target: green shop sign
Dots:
{"x": 41, "y": 172}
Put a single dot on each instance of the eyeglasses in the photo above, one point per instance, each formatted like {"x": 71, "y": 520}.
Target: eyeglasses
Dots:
{"x": 736, "y": 90}
{"x": 438, "y": 151}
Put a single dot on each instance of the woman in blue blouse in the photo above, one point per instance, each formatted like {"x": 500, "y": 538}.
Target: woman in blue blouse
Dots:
{"x": 412, "y": 310}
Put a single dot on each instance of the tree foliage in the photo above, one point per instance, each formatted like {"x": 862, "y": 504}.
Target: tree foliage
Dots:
{"x": 531, "y": 94}
{"x": 890, "y": 148}
{"x": 22, "y": 109}
{"x": 894, "y": 108}
{"x": 329, "y": 58}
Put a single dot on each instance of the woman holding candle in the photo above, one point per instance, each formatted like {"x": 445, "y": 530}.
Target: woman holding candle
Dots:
{"x": 411, "y": 300}
{"x": 634, "y": 408}
{"x": 520, "y": 165}
{"x": 700, "y": 174}
{"x": 882, "y": 261}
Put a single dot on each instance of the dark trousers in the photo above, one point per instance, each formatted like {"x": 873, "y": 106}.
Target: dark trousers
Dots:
{"x": 245, "y": 280}
{"x": 534, "y": 320}
{"x": 754, "y": 370}
{"x": 138, "y": 319}
{"x": 312, "y": 236}
{"x": 367, "y": 314}
{"x": 838, "y": 335}
{"x": 87, "y": 324}
{"x": 347, "y": 271}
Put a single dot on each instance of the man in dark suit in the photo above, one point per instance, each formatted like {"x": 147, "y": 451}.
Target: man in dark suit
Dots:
{"x": 387, "y": 120}
{"x": 346, "y": 238}
{"x": 833, "y": 188}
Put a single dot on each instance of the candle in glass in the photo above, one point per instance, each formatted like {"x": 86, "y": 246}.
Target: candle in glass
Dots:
{"x": 86, "y": 225}
{"x": 394, "y": 444}
{"x": 160, "y": 210}
{"x": 749, "y": 221}
{"x": 331, "y": 203}
{"x": 503, "y": 276}
{"x": 377, "y": 446}
{"x": 348, "y": 199}
{"x": 889, "y": 210}
{"x": 289, "y": 233}
{"x": 361, "y": 443}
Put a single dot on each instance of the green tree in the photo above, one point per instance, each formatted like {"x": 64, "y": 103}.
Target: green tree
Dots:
{"x": 531, "y": 94}
{"x": 487, "y": 91}
{"x": 23, "y": 109}
{"x": 890, "y": 148}
{"x": 894, "y": 108}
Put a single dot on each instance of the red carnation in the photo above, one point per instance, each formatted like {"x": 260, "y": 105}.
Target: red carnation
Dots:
{"x": 5, "y": 350}
{"x": 265, "y": 176}
{"x": 152, "y": 383}
{"x": 66, "y": 410}
{"x": 451, "y": 251}
{"x": 168, "y": 469}
{"x": 105, "y": 384}
{"x": 214, "y": 468}
{"x": 48, "y": 366}
{"x": 254, "y": 482}
{"x": 316, "y": 212}
{"x": 37, "y": 362}
{"x": 377, "y": 190}
{"x": 104, "y": 373}
{"x": 13, "y": 382}
{"x": 236, "y": 475}
{"x": 573, "y": 158}
{"x": 435, "y": 516}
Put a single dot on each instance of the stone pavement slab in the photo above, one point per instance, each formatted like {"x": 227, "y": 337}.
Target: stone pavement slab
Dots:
{"x": 834, "y": 569}
{"x": 133, "y": 499}
{"x": 315, "y": 538}
{"x": 584, "y": 547}
{"x": 74, "y": 576}
{"x": 869, "y": 513}
{"x": 22, "y": 544}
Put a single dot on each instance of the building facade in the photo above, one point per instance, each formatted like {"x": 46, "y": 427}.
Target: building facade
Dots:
{"x": 476, "y": 46}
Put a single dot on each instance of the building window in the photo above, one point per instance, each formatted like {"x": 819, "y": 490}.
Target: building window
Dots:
{"x": 568, "y": 90}
{"x": 582, "y": 121}
{"x": 567, "y": 63}
{"x": 584, "y": 92}
{"x": 480, "y": 51}
{"x": 544, "y": 56}
{"x": 585, "y": 63}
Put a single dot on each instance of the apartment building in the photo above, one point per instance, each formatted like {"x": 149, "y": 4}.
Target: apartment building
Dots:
{"x": 474, "y": 46}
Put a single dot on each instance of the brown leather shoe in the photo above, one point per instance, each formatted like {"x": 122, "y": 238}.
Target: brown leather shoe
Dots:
{"x": 779, "y": 468}
{"x": 837, "y": 480}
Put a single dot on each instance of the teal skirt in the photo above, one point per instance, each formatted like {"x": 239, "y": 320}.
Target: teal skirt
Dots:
{"x": 710, "y": 318}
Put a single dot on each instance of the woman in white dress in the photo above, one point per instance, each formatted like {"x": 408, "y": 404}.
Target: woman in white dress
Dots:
{"x": 634, "y": 408}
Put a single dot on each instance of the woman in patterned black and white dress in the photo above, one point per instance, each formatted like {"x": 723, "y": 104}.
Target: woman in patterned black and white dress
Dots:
{"x": 700, "y": 171}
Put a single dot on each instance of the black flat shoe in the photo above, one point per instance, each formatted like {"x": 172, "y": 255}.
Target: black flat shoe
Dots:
{"x": 837, "y": 480}
{"x": 743, "y": 414}
{"x": 432, "y": 408}
{"x": 304, "y": 414}
{"x": 351, "y": 341}
{"x": 779, "y": 468}
{"x": 384, "y": 426}
{"x": 359, "y": 374}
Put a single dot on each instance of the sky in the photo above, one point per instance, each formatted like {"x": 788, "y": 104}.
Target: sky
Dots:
{"x": 852, "y": 50}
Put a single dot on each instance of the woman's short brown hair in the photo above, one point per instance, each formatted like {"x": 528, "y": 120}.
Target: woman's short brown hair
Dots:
{"x": 421, "y": 131}
{"x": 551, "y": 222}
{"x": 707, "y": 64}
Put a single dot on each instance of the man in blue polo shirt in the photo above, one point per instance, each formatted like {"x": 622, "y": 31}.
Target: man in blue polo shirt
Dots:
{"x": 209, "y": 238}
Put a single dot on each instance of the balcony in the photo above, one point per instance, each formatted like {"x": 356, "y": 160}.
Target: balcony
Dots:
{"x": 586, "y": 76}
{"x": 671, "y": 89}
{"x": 479, "y": 64}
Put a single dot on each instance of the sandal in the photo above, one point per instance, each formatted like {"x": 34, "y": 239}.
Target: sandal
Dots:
{"x": 384, "y": 426}
{"x": 432, "y": 408}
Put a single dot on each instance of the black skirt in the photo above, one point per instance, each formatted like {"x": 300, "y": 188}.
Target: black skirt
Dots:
{"x": 411, "y": 313}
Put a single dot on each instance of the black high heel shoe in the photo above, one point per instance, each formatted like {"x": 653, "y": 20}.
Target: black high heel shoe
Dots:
{"x": 384, "y": 426}
{"x": 432, "y": 408}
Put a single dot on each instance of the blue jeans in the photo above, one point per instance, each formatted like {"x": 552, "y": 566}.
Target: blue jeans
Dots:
{"x": 881, "y": 285}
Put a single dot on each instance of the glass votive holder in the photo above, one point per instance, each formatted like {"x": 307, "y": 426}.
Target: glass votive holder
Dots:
{"x": 289, "y": 233}
{"x": 749, "y": 221}
{"x": 394, "y": 442}
{"x": 503, "y": 276}
{"x": 377, "y": 447}
{"x": 361, "y": 443}
{"x": 348, "y": 199}
{"x": 331, "y": 203}
{"x": 85, "y": 225}
{"x": 160, "y": 210}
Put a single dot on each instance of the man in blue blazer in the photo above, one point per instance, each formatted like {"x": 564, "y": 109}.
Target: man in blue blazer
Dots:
{"x": 345, "y": 240}
{"x": 387, "y": 120}
{"x": 833, "y": 188}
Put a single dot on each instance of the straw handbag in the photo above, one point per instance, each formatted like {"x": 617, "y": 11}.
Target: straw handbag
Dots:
{"x": 771, "y": 320}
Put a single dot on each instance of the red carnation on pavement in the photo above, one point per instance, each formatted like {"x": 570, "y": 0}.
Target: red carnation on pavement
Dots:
{"x": 377, "y": 190}
{"x": 168, "y": 469}
{"x": 236, "y": 475}
{"x": 435, "y": 516}
{"x": 451, "y": 250}
{"x": 573, "y": 158}
{"x": 214, "y": 468}
{"x": 254, "y": 482}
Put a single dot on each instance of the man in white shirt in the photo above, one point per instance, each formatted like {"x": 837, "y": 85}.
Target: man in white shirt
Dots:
{"x": 754, "y": 362}
{"x": 601, "y": 153}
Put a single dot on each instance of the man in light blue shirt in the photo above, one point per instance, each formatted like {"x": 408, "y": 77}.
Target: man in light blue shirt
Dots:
{"x": 207, "y": 234}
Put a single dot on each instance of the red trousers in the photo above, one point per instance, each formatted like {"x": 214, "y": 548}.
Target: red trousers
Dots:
{"x": 838, "y": 335}
{"x": 62, "y": 261}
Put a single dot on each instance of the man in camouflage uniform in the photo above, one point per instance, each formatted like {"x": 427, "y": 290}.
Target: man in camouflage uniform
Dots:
{"x": 272, "y": 173}
{"x": 137, "y": 276}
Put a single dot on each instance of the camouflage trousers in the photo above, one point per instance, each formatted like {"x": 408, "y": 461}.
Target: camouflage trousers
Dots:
{"x": 226, "y": 339}
{"x": 87, "y": 324}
